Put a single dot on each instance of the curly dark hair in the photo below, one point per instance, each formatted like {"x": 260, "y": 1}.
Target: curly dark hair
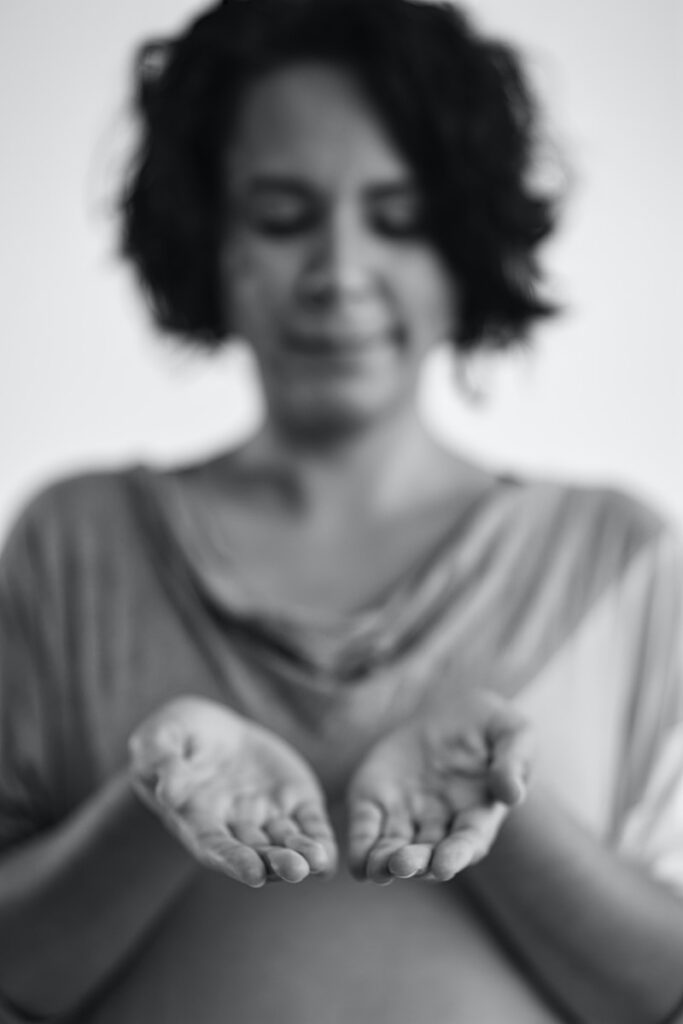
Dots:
{"x": 457, "y": 105}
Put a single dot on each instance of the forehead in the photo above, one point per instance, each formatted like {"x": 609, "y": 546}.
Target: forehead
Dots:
{"x": 313, "y": 120}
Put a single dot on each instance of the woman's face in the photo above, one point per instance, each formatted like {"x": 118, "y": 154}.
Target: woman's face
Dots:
{"x": 326, "y": 270}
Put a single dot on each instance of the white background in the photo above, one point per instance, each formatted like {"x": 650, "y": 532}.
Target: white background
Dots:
{"x": 84, "y": 381}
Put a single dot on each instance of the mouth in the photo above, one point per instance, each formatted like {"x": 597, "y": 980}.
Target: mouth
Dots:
{"x": 339, "y": 343}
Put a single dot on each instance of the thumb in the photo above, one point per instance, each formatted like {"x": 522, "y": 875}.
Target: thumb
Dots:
{"x": 512, "y": 751}
{"x": 151, "y": 749}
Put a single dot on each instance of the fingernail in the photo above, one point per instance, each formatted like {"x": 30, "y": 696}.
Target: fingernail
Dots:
{"x": 406, "y": 874}
{"x": 517, "y": 791}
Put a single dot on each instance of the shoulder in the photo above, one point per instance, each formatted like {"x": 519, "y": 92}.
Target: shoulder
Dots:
{"x": 602, "y": 515}
{"x": 583, "y": 538}
{"x": 85, "y": 508}
{"x": 77, "y": 498}
{"x": 624, "y": 520}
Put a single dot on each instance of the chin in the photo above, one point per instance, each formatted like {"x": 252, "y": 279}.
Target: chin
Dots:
{"x": 334, "y": 415}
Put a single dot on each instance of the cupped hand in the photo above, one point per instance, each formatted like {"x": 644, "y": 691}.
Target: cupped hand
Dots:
{"x": 238, "y": 797}
{"x": 429, "y": 798}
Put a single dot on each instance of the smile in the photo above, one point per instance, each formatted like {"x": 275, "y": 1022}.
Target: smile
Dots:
{"x": 339, "y": 343}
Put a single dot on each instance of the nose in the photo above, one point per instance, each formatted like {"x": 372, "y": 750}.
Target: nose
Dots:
{"x": 341, "y": 266}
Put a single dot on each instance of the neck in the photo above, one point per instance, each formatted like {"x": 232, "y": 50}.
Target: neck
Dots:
{"x": 371, "y": 471}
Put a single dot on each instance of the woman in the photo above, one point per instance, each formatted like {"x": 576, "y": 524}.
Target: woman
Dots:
{"x": 325, "y": 650}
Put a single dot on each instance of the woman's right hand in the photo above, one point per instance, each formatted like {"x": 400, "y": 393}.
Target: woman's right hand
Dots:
{"x": 238, "y": 797}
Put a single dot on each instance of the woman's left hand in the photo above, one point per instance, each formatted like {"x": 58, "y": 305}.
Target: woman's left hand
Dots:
{"x": 429, "y": 798}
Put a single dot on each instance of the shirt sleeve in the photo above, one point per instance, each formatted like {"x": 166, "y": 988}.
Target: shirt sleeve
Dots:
{"x": 29, "y": 711}
{"x": 651, "y": 831}
{"x": 11, "y": 1015}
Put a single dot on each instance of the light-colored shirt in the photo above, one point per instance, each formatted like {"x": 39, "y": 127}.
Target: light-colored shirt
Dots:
{"x": 114, "y": 599}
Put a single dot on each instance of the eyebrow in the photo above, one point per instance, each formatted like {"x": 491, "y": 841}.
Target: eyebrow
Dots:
{"x": 265, "y": 183}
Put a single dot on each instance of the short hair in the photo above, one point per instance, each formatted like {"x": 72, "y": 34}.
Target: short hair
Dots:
{"x": 458, "y": 106}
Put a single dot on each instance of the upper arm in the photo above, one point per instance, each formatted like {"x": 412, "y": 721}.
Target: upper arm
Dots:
{"x": 651, "y": 827}
{"x": 29, "y": 713}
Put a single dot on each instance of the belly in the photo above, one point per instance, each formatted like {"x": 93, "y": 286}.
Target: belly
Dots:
{"x": 338, "y": 952}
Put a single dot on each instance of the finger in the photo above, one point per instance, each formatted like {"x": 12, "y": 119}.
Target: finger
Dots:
{"x": 238, "y": 862}
{"x": 397, "y": 830}
{"x": 512, "y": 744}
{"x": 430, "y": 828}
{"x": 314, "y": 823}
{"x": 288, "y": 865}
{"x": 433, "y": 828}
{"x": 469, "y": 841}
{"x": 214, "y": 844}
{"x": 365, "y": 824}
{"x": 218, "y": 849}
{"x": 286, "y": 832}
{"x": 175, "y": 785}
{"x": 377, "y": 864}
{"x": 151, "y": 749}
{"x": 411, "y": 861}
{"x": 250, "y": 835}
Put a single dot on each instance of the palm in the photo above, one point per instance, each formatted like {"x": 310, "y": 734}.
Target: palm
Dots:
{"x": 239, "y": 797}
{"x": 422, "y": 771}
{"x": 428, "y": 800}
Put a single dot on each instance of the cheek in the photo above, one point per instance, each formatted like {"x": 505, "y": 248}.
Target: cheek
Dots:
{"x": 431, "y": 298}
{"x": 255, "y": 284}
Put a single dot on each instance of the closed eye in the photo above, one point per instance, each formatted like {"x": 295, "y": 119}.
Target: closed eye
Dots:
{"x": 398, "y": 214}
{"x": 280, "y": 208}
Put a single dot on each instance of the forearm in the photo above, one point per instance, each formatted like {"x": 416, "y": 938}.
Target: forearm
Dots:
{"x": 599, "y": 934}
{"x": 74, "y": 902}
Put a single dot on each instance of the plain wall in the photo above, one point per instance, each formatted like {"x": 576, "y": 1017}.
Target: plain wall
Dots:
{"x": 85, "y": 382}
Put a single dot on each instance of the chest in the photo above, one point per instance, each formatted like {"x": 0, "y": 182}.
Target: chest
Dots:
{"x": 331, "y": 570}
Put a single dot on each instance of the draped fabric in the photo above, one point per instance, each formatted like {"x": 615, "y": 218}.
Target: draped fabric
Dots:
{"x": 118, "y": 593}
